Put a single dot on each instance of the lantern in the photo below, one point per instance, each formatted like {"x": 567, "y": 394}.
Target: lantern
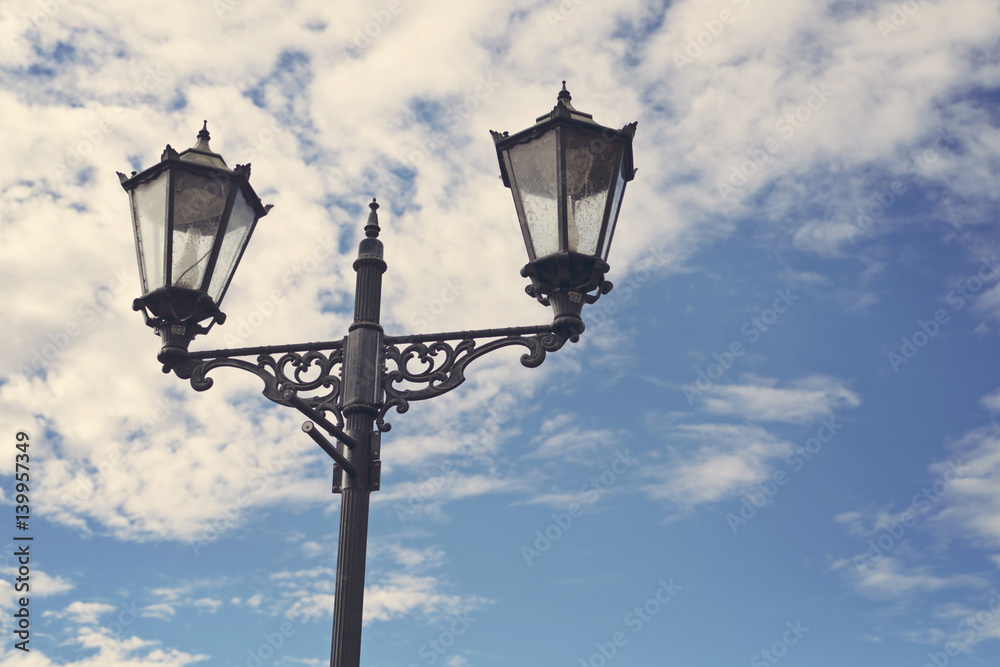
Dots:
{"x": 192, "y": 216}
{"x": 567, "y": 174}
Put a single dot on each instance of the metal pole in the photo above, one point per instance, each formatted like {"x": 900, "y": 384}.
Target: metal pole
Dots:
{"x": 362, "y": 372}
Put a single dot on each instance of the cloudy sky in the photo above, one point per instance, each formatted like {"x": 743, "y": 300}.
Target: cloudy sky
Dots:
{"x": 776, "y": 441}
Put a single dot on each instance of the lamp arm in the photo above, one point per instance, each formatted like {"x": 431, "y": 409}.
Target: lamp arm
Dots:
{"x": 443, "y": 363}
{"x": 285, "y": 370}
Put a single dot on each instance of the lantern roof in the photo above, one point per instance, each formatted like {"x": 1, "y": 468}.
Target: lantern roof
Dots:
{"x": 564, "y": 109}
{"x": 564, "y": 113}
{"x": 201, "y": 152}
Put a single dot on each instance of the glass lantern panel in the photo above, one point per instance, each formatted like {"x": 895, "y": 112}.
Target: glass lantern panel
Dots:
{"x": 590, "y": 167}
{"x": 149, "y": 218}
{"x": 531, "y": 167}
{"x": 616, "y": 202}
{"x": 237, "y": 234}
{"x": 199, "y": 202}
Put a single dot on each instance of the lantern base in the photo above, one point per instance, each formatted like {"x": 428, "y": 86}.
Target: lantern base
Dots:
{"x": 178, "y": 304}
{"x": 176, "y": 338}
{"x": 565, "y": 270}
{"x": 566, "y": 280}
{"x": 176, "y": 313}
{"x": 567, "y": 304}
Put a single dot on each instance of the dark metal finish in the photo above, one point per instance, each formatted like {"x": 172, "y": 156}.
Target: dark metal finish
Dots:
{"x": 310, "y": 429}
{"x": 361, "y": 393}
{"x": 474, "y": 333}
{"x": 346, "y": 386}
{"x": 310, "y": 369}
{"x": 308, "y": 411}
{"x": 357, "y": 388}
{"x": 294, "y": 371}
{"x": 268, "y": 349}
{"x": 349, "y": 596}
{"x": 597, "y": 160}
{"x": 210, "y": 188}
{"x": 443, "y": 364}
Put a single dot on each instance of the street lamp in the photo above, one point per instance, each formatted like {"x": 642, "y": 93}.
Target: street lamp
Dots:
{"x": 193, "y": 218}
{"x": 568, "y": 175}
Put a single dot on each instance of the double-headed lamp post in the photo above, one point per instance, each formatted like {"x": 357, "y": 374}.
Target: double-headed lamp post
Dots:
{"x": 193, "y": 217}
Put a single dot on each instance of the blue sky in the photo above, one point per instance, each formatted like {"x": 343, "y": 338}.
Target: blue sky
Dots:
{"x": 777, "y": 441}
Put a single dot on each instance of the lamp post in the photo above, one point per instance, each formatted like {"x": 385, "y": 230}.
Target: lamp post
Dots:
{"x": 193, "y": 217}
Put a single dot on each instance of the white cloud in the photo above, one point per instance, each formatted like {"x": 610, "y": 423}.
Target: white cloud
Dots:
{"x": 853, "y": 521}
{"x": 253, "y": 602}
{"x": 109, "y": 650}
{"x": 135, "y": 455}
{"x": 957, "y": 503}
{"x": 42, "y": 583}
{"x": 991, "y": 401}
{"x": 173, "y": 594}
{"x": 562, "y": 499}
{"x": 84, "y": 613}
{"x": 761, "y": 399}
{"x": 173, "y": 599}
{"x": 406, "y": 587}
{"x": 708, "y": 462}
{"x": 425, "y": 498}
{"x": 413, "y": 560}
{"x": 311, "y": 549}
{"x": 326, "y": 120}
{"x": 403, "y": 594}
{"x": 562, "y": 437}
{"x": 208, "y": 604}
{"x": 46, "y": 584}
{"x": 969, "y": 623}
{"x": 887, "y": 577}
{"x": 160, "y": 610}
{"x": 972, "y": 502}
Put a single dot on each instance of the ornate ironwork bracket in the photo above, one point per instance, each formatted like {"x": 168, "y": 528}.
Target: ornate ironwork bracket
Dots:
{"x": 444, "y": 362}
{"x": 286, "y": 370}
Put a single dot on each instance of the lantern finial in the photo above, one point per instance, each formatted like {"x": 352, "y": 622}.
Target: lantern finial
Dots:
{"x": 203, "y": 137}
{"x": 564, "y": 109}
{"x": 371, "y": 227}
{"x": 564, "y": 94}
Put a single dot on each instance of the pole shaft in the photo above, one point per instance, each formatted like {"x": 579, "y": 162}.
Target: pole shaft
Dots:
{"x": 361, "y": 390}
{"x": 349, "y": 598}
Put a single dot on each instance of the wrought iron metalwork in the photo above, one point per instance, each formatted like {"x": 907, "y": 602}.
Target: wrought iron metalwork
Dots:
{"x": 567, "y": 174}
{"x": 309, "y": 367}
{"x": 299, "y": 368}
{"x": 444, "y": 363}
{"x": 193, "y": 217}
{"x": 350, "y": 378}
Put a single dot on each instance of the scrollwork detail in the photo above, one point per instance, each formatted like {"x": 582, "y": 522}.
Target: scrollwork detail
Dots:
{"x": 444, "y": 363}
{"x": 292, "y": 371}
{"x": 425, "y": 366}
